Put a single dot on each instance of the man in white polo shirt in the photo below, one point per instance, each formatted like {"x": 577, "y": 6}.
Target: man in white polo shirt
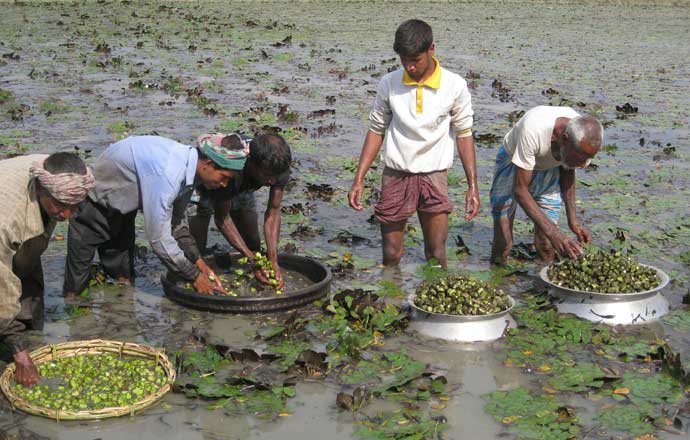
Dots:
{"x": 535, "y": 166}
{"x": 421, "y": 113}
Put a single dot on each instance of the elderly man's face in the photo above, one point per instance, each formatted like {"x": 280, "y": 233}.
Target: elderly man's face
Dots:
{"x": 55, "y": 209}
{"x": 574, "y": 158}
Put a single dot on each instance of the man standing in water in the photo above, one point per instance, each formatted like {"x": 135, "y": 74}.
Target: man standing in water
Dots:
{"x": 37, "y": 191}
{"x": 234, "y": 207}
{"x": 535, "y": 166}
{"x": 421, "y": 113}
{"x": 157, "y": 176}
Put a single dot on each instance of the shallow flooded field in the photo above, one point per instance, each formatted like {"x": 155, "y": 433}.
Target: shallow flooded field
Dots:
{"x": 80, "y": 76}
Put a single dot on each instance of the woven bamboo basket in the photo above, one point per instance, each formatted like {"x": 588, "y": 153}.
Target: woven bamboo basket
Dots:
{"x": 93, "y": 347}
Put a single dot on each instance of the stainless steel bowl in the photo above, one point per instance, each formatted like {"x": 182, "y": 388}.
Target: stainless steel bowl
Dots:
{"x": 461, "y": 328}
{"x": 611, "y": 308}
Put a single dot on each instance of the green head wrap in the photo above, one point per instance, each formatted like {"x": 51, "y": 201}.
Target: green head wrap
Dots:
{"x": 224, "y": 157}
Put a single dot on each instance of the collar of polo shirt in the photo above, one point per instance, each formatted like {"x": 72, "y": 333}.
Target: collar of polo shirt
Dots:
{"x": 433, "y": 82}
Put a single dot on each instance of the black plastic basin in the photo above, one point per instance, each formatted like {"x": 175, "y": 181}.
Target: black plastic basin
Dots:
{"x": 314, "y": 270}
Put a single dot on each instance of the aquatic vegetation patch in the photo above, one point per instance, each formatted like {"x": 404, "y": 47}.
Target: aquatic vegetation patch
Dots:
{"x": 532, "y": 416}
{"x": 405, "y": 424}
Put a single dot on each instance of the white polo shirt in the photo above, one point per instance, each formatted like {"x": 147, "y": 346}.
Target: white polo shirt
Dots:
{"x": 421, "y": 121}
{"x": 529, "y": 141}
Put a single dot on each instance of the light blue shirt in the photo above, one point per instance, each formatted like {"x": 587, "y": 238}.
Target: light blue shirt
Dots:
{"x": 155, "y": 175}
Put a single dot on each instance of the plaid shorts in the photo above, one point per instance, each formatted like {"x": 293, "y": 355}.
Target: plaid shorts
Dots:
{"x": 544, "y": 188}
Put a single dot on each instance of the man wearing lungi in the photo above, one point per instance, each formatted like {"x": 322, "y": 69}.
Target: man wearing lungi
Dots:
{"x": 535, "y": 166}
{"x": 421, "y": 113}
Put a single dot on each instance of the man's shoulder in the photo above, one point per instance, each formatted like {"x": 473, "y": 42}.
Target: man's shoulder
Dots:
{"x": 550, "y": 111}
{"x": 451, "y": 80}
{"x": 146, "y": 142}
{"x": 394, "y": 77}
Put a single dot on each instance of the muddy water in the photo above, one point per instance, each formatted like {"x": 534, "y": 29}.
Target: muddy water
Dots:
{"x": 602, "y": 54}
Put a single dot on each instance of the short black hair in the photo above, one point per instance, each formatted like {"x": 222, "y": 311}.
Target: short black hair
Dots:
{"x": 232, "y": 142}
{"x": 60, "y": 163}
{"x": 413, "y": 37}
{"x": 270, "y": 152}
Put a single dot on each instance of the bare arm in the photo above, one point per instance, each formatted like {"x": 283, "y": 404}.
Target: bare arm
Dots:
{"x": 227, "y": 227}
{"x": 371, "y": 148}
{"x": 562, "y": 244}
{"x": 272, "y": 223}
{"x": 272, "y": 234}
{"x": 567, "y": 183}
{"x": 465, "y": 147}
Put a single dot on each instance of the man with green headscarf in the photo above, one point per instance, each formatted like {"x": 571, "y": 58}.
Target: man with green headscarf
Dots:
{"x": 154, "y": 175}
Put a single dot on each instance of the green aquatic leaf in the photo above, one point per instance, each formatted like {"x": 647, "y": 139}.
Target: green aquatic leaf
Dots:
{"x": 651, "y": 389}
{"x": 203, "y": 361}
{"x": 578, "y": 378}
{"x": 629, "y": 348}
{"x": 406, "y": 369}
{"x": 212, "y": 387}
{"x": 387, "y": 318}
{"x": 626, "y": 418}
{"x": 389, "y": 289}
{"x": 363, "y": 372}
{"x": 289, "y": 351}
{"x": 678, "y": 319}
{"x": 256, "y": 402}
{"x": 401, "y": 425}
{"x": 684, "y": 257}
{"x": 532, "y": 416}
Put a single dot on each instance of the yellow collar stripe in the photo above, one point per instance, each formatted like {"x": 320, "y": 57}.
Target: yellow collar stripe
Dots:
{"x": 433, "y": 82}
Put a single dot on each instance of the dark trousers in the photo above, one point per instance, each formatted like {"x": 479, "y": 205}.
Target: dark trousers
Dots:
{"x": 109, "y": 232}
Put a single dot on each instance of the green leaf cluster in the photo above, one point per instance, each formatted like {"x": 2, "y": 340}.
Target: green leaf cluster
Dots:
{"x": 205, "y": 361}
{"x": 402, "y": 425}
{"x": 532, "y": 416}
{"x": 578, "y": 378}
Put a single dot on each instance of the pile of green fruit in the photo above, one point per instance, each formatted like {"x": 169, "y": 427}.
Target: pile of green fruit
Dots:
{"x": 459, "y": 295}
{"x": 244, "y": 277}
{"x": 604, "y": 272}
{"x": 93, "y": 382}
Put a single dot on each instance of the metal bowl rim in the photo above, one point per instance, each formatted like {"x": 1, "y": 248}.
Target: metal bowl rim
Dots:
{"x": 543, "y": 274}
{"x": 462, "y": 318}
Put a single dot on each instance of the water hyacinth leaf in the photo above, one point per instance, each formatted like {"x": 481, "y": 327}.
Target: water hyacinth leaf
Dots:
{"x": 389, "y": 289}
{"x": 678, "y": 319}
{"x": 578, "y": 378}
{"x": 289, "y": 350}
{"x": 652, "y": 389}
{"x": 626, "y": 418}
{"x": 407, "y": 425}
{"x": 406, "y": 369}
{"x": 203, "y": 361}
{"x": 532, "y": 416}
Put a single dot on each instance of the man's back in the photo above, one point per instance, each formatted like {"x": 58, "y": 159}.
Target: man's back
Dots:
{"x": 119, "y": 171}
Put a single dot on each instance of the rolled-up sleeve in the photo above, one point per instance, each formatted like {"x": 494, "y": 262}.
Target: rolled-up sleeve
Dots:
{"x": 381, "y": 115}
{"x": 157, "y": 198}
{"x": 461, "y": 114}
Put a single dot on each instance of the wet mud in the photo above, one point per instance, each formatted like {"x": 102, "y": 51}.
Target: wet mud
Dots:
{"x": 76, "y": 77}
